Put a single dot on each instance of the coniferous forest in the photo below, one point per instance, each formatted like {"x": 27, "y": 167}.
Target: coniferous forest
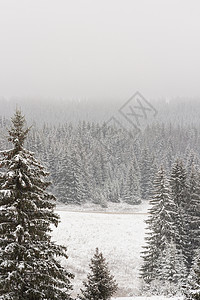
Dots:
{"x": 90, "y": 163}
{"x": 99, "y": 163}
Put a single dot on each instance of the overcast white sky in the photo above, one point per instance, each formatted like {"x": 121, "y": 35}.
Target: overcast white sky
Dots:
{"x": 99, "y": 48}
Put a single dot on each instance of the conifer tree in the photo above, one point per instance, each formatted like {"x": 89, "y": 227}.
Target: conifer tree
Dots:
{"x": 180, "y": 197}
{"x": 112, "y": 192}
{"x": 146, "y": 174}
{"x": 191, "y": 161}
{"x": 172, "y": 274}
{"x": 63, "y": 187}
{"x": 100, "y": 284}
{"x": 160, "y": 227}
{"x": 70, "y": 188}
{"x": 29, "y": 268}
{"x": 132, "y": 189}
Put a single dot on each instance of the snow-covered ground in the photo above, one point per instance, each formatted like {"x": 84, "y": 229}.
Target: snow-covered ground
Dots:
{"x": 120, "y": 236}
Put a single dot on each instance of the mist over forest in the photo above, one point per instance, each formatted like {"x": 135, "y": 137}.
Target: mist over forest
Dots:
{"x": 179, "y": 110}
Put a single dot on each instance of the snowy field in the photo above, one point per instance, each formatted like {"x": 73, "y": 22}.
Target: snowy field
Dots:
{"x": 120, "y": 236}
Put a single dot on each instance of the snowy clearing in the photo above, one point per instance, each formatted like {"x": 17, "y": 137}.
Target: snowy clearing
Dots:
{"x": 119, "y": 236}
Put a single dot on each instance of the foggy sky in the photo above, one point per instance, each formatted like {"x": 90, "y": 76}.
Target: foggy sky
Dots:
{"x": 99, "y": 48}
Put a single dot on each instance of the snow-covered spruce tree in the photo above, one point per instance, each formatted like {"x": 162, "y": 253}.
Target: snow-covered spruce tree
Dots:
{"x": 181, "y": 198}
{"x": 191, "y": 160}
{"x": 146, "y": 173}
{"x": 160, "y": 228}
{"x": 69, "y": 188}
{"x": 131, "y": 194}
{"x": 112, "y": 192}
{"x": 63, "y": 178}
{"x": 172, "y": 274}
{"x": 29, "y": 268}
{"x": 100, "y": 284}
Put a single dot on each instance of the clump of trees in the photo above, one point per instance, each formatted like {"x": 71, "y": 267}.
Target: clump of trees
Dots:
{"x": 173, "y": 236}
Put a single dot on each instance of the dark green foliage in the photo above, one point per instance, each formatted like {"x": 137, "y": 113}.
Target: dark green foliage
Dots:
{"x": 100, "y": 284}
{"x": 29, "y": 268}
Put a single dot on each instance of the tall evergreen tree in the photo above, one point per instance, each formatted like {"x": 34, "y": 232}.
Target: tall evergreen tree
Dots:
{"x": 191, "y": 160}
{"x": 146, "y": 174}
{"x": 29, "y": 268}
{"x": 112, "y": 192}
{"x": 160, "y": 227}
{"x": 70, "y": 188}
{"x": 131, "y": 193}
{"x": 180, "y": 197}
{"x": 172, "y": 274}
{"x": 100, "y": 284}
{"x": 63, "y": 191}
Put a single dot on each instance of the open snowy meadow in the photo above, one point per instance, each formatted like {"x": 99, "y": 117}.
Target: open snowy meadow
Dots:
{"x": 119, "y": 236}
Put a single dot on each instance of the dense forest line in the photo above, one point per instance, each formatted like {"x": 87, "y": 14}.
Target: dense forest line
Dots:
{"x": 99, "y": 163}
